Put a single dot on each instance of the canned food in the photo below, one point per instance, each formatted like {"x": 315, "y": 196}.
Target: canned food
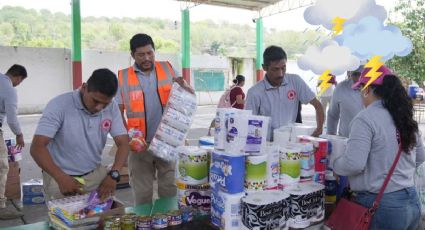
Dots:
{"x": 187, "y": 214}
{"x": 115, "y": 226}
{"x": 128, "y": 223}
{"x": 174, "y": 218}
{"x": 108, "y": 221}
{"x": 159, "y": 221}
{"x": 144, "y": 223}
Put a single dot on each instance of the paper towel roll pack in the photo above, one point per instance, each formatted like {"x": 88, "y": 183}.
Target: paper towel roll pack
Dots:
{"x": 192, "y": 166}
{"x": 196, "y": 196}
{"x": 307, "y": 162}
{"x": 273, "y": 166}
{"x": 256, "y": 172}
{"x": 337, "y": 144}
{"x": 307, "y": 204}
{"x": 320, "y": 149}
{"x": 300, "y": 129}
{"x": 227, "y": 173}
{"x": 290, "y": 165}
{"x": 225, "y": 210}
{"x": 265, "y": 210}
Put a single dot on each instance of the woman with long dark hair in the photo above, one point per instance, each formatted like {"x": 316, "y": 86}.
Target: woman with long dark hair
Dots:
{"x": 372, "y": 148}
{"x": 237, "y": 96}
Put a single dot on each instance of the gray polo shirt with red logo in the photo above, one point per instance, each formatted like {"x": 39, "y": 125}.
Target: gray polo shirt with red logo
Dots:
{"x": 280, "y": 103}
{"x": 78, "y": 137}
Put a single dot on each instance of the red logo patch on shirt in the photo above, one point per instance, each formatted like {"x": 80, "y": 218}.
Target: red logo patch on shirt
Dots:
{"x": 291, "y": 94}
{"x": 106, "y": 125}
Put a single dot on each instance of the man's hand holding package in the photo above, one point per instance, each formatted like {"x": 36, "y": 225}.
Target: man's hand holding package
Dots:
{"x": 69, "y": 186}
{"x": 184, "y": 85}
{"x": 107, "y": 188}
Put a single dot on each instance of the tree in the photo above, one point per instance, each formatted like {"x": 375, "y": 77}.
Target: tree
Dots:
{"x": 411, "y": 66}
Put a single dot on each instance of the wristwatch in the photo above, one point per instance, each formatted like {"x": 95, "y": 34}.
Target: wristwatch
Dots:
{"x": 115, "y": 174}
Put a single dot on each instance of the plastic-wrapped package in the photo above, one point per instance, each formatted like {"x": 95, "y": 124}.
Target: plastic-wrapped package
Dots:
{"x": 170, "y": 135}
{"x": 175, "y": 123}
{"x": 177, "y": 119}
{"x": 137, "y": 140}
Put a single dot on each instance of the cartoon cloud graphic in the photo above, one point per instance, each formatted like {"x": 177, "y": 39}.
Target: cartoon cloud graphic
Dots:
{"x": 369, "y": 37}
{"x": 324, "y": 11}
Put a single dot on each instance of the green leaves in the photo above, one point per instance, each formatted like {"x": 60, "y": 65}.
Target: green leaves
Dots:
{"x": 412, "y": 13}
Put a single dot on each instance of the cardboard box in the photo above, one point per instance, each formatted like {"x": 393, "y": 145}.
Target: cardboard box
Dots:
{"x": 117, "y": 208}
{"x": 13, "y": 183}
{"x": 32, "y": 187}
{"x": 14, "y": 169}
{"x": 13, "y": 190}
{"x": 33, "y": 200}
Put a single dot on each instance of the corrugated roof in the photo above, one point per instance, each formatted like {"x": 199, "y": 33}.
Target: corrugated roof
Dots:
{"x": 242, "y": 4}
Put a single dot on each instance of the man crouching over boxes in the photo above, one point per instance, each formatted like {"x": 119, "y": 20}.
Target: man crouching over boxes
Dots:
{"x": 71, "y": 135}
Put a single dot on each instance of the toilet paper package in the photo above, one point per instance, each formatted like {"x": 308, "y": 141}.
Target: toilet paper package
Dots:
{"x": 282, "y": 135}
{"x": 300, "y": 129}
{"x": 170, "y": 135}
{"x": 307, "y": 204}
{"x": 220, "y": 130}
{"x": 273, "y": 166}
{"x": 223, "y": 123}
{"x": 163, "y": 150}
{"x": 177, "y": 119}
{"x": 237, "y": 132}
{"x": 256, "y": 173}
{"x": 192, "y": 165}
{"x": 175, "y": 123}
{"x": 182, "y": 101}
{"x": 225, "y": 210}
{"x": 257, "y": 134}
{"x": 196, "y": 196}
{"x": 227, "y": 172}
{"x": 265, "y": 210}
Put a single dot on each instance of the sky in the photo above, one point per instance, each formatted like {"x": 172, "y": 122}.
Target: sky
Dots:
{"x": 170, "y": 9}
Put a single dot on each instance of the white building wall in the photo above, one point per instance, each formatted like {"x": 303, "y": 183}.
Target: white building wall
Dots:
{"x": 49, "y": 71}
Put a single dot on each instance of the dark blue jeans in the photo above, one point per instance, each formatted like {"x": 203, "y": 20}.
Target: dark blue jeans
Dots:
{"x": 399, "y": 210}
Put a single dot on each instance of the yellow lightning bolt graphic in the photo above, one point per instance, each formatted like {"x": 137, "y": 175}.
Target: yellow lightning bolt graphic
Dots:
{"x": 374, "y": 64}
{"x": 338, "y": 25}
{"x": 324, "y": 85}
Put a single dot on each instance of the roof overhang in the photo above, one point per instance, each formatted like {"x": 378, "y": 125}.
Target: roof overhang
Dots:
{"x": 255, "y": 5}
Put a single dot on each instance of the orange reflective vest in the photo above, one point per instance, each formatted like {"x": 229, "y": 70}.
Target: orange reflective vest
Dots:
{"x": 133, "y": 97}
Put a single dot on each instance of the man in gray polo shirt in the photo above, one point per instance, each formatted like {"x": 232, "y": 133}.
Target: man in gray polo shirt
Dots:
{"x": 8, "y": 108}
{"x": 71, "y": 136}
{"x": 346, "y": 103}
{"x": 279, "y": 93}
